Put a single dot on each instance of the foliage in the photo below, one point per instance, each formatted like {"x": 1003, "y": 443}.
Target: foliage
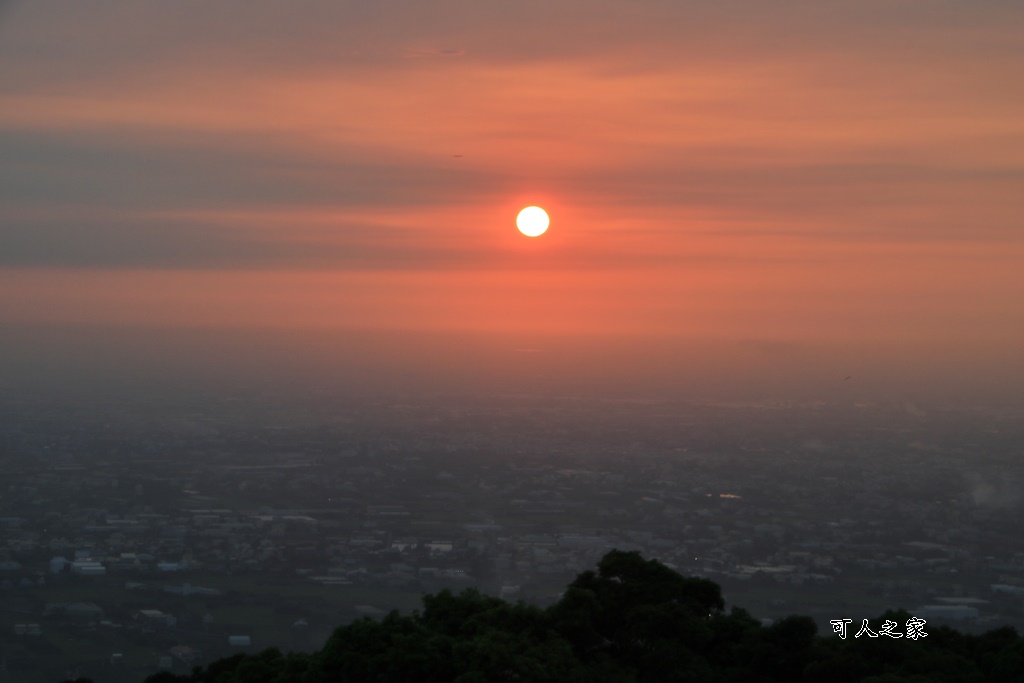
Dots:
{"x": 632, "y": 620}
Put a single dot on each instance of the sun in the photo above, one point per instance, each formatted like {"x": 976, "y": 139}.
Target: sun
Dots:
{"x": 533, "y": 221}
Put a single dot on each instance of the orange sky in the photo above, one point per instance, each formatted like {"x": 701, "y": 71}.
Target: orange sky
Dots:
{"x": 794, "y": 173}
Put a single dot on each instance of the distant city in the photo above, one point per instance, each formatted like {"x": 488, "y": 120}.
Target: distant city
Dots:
{"x": 164, "y": 534}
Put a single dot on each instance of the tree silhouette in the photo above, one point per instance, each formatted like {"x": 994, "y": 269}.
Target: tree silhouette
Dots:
{"x": 632, "y": 620}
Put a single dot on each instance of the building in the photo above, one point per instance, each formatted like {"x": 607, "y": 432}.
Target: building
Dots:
{"x": 239, "y": 641}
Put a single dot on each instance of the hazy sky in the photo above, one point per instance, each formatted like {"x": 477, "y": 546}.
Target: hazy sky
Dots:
{"x": 769, "y": 176}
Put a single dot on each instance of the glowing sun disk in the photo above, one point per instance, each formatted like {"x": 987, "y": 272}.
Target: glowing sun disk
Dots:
{"x": 532, "y": 221}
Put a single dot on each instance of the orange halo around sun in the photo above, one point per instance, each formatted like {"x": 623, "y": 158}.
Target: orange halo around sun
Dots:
{"x": 532, "y": 221}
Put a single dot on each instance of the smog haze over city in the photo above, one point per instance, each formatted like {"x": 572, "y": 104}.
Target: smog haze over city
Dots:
{"x": 274, "y": 355}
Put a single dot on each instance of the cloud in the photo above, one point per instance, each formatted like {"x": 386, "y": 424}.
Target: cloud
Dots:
{"x": 433, "y": 52}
